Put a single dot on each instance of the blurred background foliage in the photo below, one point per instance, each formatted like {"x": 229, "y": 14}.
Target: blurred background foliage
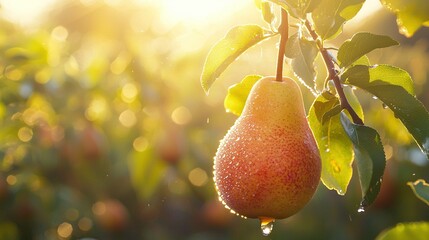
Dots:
{"x": 106, "y": 133}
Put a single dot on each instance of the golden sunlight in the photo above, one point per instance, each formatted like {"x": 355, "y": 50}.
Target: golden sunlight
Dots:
{"x": 25, "y": 12}
{"x": 199, "y": 11}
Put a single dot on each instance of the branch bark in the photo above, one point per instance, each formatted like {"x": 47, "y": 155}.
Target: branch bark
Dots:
{"x": 332, "y": 75}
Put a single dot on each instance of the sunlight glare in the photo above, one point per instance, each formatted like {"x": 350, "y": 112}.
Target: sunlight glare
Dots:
{"x": 25, "y": 12}
{"x": 199, "y": 11}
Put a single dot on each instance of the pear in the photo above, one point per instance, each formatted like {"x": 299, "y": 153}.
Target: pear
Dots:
{"x": 268, "y": 164}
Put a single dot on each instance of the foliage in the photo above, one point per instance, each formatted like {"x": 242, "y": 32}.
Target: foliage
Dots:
{"x": 421, "y": 190}
{"x": 416, "y": 230}
{"x": 228, "y": 49}
{"x": 106, "y": 134}
{"x": 335, "y": 132}
{"x": 411, "y": 15}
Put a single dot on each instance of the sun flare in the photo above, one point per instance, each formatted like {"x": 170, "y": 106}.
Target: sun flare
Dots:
{"x": 199, "y": 11}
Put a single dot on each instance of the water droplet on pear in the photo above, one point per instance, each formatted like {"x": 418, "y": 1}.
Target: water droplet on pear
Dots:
{"x": 267, "y": 226}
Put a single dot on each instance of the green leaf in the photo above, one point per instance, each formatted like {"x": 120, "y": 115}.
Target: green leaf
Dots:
{"x": 302, "y": 53}
{"x": 223, "y": 53}
{"x": 364, "y": 60}
{"x": 330, "y": 15}
{"x": 146, "y": 172}
{"x": 237, "y": 94}
{"x": 335, "y": 147}
{"x": 410, "y": 14}
{"x": 297, "y": 8}
{"x": 394, "y": 87}
{"x": 413, "y": 230}
{"x": 267, "y": 12}
{"x": 369, "y": 157}
{"x": 332, "y": 112}
{"x": 420, "y": 189}
{"x": 354, "y": 101}
{"x": 379, "y": 75}
{"x": 361, "y": 44}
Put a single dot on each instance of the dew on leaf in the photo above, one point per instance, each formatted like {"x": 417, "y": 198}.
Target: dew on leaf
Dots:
{"x": 361, "y": 209}
{"x": 266, "y": 225}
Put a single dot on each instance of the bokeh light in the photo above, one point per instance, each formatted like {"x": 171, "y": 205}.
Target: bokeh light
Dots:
{"x": 65, "y": 230}
{"x": 106, "y": 132}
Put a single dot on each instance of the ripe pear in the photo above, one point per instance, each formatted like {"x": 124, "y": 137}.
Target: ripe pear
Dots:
{"x": 268, "y": 164}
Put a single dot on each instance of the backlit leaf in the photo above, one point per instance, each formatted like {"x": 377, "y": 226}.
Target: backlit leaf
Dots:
{"x": 413, "y": 230}
{"x": 297, "y": 8}
{"x": 223, "y": 53}
{"x": 302, "y": 53}
{"x": 258, "y": 3}
{"x": 410, "y": 14}
{"x": 394, "y": 87}
{"x": 364, "y": 60}
{"x": 361, "y": 44}
{"x": 369, "y": 157}
{"x": 330, "y": 15}
{"x": 237, "y": 94}
{"x": 146, "y": 172}
{"x": 421, "y": 190}
{"x": 354, "y": 101}
{"x": 335, "y": 147}
{"x": 267, "y": 12}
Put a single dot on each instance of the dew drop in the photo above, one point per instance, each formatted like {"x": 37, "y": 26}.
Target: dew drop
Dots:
{"x": 266, "y": 225}
{"x": 361, "y": 209}
{"x": 327, "y": 150}
{"x": 374, "y": 97}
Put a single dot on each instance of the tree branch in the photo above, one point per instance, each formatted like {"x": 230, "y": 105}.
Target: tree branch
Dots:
{"x": 329, "y": 62}
{"x": 284, "y": 35}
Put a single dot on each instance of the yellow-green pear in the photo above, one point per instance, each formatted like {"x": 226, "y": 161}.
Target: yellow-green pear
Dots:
{"x": 268, "y": 164}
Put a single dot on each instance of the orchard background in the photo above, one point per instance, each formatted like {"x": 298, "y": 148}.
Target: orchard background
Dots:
{"x": 106, "y": 132}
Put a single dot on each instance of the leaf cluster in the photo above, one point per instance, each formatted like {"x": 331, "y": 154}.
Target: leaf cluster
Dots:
{"x": 336, "y": 115}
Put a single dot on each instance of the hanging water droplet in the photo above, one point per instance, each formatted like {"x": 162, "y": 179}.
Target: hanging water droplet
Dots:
{"x": 385, "y": 106}
{"x": 266, "y": 225}
{"x": 361, "y": 209}
{"x": 374, "y": 97}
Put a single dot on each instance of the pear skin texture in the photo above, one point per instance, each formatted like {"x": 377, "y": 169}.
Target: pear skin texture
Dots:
{"x": 268, "y": 164}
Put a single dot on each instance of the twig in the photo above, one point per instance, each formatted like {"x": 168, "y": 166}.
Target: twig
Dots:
{"x": 284, "y": 35}
{"x": 332, "y": 75}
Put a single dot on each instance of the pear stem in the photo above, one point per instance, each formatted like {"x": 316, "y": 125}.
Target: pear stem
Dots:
{"x": 284, "y": 35}
{"x": 329, "y": 62}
